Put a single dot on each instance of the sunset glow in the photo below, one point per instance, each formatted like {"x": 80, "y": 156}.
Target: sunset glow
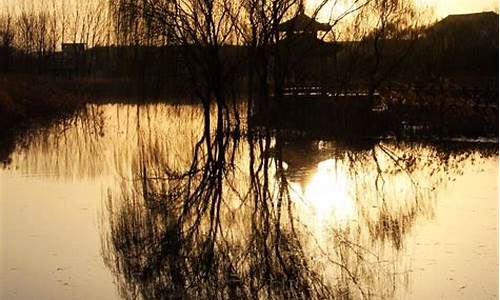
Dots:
{"x": 253, "y": 149}
{"x": 439, "y": 8}
{"x": 442, "y": 8}
{"x": 327, "y": 192}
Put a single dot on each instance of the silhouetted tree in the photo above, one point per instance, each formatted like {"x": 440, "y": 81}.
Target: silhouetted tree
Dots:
{"x": 7, "y": 35}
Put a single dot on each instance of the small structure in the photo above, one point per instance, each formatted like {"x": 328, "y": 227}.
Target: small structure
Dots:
{"x": 73, "y": 58}
{"x": 307, "y": 101}
{"x": 73, "y": 48}
{"x": 304, "y": 57}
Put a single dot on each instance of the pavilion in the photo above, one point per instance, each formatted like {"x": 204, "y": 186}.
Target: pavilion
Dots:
{"x": 304, "y": 56}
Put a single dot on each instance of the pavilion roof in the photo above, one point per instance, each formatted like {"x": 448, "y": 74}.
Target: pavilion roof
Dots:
{"x": 303, "y": 22}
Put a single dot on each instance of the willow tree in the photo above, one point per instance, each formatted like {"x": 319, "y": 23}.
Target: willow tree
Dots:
{"x": 199, "y": 28}
{"x": 394, "y": 27}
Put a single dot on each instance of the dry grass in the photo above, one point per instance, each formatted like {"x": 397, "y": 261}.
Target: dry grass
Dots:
{"x": 24, "y": 99}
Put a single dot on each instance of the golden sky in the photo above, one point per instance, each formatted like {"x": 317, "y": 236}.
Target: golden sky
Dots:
{"x": 442, "y": 8}
{"x": 434, "y": 9}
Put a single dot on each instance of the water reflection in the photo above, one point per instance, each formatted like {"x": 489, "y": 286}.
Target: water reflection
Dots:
{"x": 196, "y": 213}
{"x": 327, "y": 193}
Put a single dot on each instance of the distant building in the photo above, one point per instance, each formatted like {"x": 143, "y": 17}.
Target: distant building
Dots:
{"x": 466, "y": 28}
{"x": 474, "y": 18}
{"x": 465, "y": 43}
{"x": 73, "y": 50}
{"x": 71, "y": 59}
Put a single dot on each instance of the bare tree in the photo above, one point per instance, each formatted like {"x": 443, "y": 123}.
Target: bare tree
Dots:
{"x": 7, "y": 35}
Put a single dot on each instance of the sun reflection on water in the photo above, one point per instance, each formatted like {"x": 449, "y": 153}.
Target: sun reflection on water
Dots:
{"x": 327, "y": 194}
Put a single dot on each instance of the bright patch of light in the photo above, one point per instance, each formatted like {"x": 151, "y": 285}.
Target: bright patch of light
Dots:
{"x": 328, "y": 11}
{"x": 327, "y": 193}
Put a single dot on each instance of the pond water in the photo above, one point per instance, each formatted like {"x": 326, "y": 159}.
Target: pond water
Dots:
{"x": 121, "y": 202}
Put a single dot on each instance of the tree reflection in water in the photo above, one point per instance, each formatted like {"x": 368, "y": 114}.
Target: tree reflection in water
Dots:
{"x": 267, "y": 218}
{"x": 261, "y": 215}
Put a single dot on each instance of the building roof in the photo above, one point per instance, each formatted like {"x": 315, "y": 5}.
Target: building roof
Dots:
{"x": 477, "y": 26}
{"x": 468, "y": 18}
{"x": 302, "y": 22}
